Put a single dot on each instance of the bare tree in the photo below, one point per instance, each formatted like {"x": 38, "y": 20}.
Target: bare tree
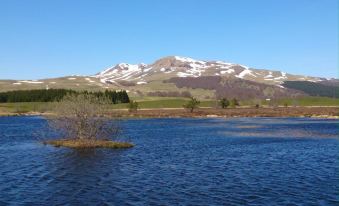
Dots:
{"x": 83, "y": 117}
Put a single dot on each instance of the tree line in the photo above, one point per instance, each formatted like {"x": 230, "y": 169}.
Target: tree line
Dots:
{"x": 52, "y": 95}
{"x": 315, "y": 88}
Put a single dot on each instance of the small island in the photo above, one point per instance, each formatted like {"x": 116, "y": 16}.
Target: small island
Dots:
{"x": 81, "y": 120}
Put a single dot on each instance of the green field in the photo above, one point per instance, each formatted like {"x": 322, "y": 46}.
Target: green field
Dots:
{"x": 310, "y": 101}
{"x": 178, "y": 102}
{"x": 24, "y": 107}
{"x": 165, "y": 102}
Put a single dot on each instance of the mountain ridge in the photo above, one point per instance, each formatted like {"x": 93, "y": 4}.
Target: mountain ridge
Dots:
{"x": 176, "y": 66}
{"x": 179, "y": 75}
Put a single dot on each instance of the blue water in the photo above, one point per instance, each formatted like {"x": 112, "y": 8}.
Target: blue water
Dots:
{"x": 241, "y": 161}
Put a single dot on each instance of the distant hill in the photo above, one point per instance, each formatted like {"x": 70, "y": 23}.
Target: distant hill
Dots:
{"x": 181, "y": 76}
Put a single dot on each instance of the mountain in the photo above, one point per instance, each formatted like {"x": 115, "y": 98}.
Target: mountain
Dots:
{"x": 182, "y": 76}
{"x": 174, "y": 66}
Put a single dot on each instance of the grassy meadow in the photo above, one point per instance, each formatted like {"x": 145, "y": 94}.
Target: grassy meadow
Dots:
{"x": 167, "y": 102}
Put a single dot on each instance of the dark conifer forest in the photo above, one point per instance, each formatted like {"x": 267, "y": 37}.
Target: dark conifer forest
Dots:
{"x": 52, "y": 95}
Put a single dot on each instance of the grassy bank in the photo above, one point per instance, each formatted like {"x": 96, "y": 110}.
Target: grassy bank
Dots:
{"x": 26, "y": 107}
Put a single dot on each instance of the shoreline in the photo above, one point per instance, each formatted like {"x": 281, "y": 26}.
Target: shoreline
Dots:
{"x": 313, "y": 112}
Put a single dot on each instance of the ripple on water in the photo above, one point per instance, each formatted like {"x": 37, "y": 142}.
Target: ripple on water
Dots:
{"x": 177, "y": 161}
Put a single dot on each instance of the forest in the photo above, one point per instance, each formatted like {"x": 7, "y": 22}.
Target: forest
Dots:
{"x": 52, "y": 95}
{"x": 322, "y": 89}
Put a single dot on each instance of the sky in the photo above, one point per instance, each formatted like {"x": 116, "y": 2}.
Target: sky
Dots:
{"x": 42, "y": 39}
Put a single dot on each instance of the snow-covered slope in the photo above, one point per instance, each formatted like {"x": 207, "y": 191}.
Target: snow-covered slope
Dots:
{"x": 175, "y": 66}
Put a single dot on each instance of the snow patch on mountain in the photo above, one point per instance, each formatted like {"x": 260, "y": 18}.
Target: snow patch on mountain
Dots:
{"x": 269, "y": 75}
{"x": 31, "y": 82}
{"x": 245, "y": 72}
{"x": 189, "y": 60}
{"x": 182, "y": 74}
{"x": 229, "y": 71}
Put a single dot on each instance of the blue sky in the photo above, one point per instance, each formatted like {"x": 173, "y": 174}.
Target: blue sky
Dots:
{"x": 40, "y": 38}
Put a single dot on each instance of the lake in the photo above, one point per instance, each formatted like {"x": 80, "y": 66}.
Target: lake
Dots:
{"x": 237, "y": 161}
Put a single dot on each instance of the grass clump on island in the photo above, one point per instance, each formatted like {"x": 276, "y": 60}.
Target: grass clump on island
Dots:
{"x": 82, "y": 122}
{"x": 77, "y": 143}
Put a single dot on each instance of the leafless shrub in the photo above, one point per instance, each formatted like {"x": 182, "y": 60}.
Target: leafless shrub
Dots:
{"x": 82, "y": 116}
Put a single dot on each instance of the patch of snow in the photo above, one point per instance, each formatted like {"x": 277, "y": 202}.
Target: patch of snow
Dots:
{"x": 189, "y": 60}
{"x": 89, "y": 80}
{"x": 148, "y": 69}
{"x": 125, "y": 71}
{"x": 17, "y": 83}
{"x": 122, "y": 71}
{"x": 224, "y": 63}
{"x": 269, "y": 75}
{"x": 227, "y": 71}
{"x": 281, "y": 77}
{"x": 141, "y": 82}
{"x": 246, "y": 67}
{"x": 103, "y": 80}
{"x": 182, "y": 74}
{"x": 167, "y": 70}
{"x": 224, "y": 67}
{"x": 143, "y": 75}
{"x": 72, "y": 78}
{"x": 52, "y": 82}
{"x": 31, "y": 82}
{"x": 245, "y": 72}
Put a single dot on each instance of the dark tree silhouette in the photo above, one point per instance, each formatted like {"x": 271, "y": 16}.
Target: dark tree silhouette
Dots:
{"x": 192, "y": 104}
{"x": 224, "y": 103}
